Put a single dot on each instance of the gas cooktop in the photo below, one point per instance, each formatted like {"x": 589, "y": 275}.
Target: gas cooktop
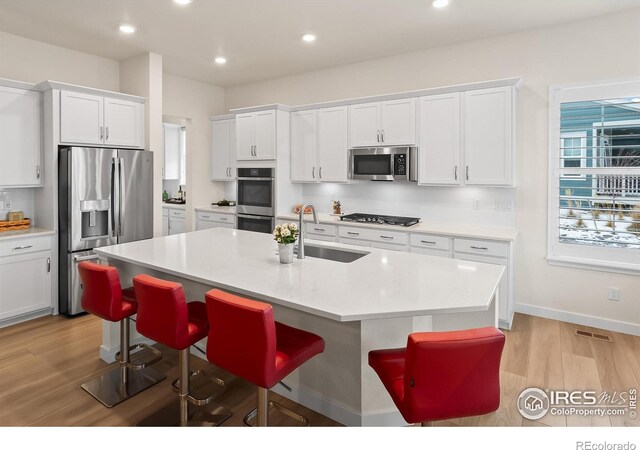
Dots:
{"x": 385, "y": 220}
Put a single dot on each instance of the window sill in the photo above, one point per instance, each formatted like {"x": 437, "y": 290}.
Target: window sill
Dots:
{"x": 593, "y": 264}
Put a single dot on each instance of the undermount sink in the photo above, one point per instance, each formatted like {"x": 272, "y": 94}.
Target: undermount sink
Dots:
{"x": 333, "y": 254}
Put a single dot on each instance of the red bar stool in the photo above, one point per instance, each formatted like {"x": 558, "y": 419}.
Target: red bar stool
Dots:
{"x": 442, "y": 376}
{"x": 245, "y": 340}
{"x": 165, "y": 317}
{"x": 103, "y": 296}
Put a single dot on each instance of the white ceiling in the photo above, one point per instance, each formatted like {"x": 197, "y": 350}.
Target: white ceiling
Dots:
{"x": 261, "y": 38}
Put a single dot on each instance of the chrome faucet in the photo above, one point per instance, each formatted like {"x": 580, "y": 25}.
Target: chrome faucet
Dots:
{"x": 301, "y": 228}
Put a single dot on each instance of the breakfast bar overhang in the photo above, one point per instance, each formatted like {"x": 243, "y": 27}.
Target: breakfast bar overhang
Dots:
{"x": 371, "y": 303}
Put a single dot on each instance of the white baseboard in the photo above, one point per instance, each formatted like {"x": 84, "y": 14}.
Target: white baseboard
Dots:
{"x": 338, "y": 412}
{"x": 579, "y": 319}
{"x": 24, "y": 317}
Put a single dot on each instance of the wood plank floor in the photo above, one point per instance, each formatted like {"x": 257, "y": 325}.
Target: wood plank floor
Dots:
{"x": 43, "y": 362}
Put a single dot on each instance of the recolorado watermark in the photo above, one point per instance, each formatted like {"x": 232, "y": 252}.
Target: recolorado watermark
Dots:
{"x": 535, "y": 403}
{"x": 588, "y": 445}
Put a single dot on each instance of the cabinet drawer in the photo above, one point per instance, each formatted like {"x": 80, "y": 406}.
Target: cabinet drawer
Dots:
{"x": 390, "y": 237}
{"x": 323, "y": 229}
{"x": 431, "y": 252}
{"x": 431, "y": 241}
{"x": 320, "y": 237}
{"x": 215, "y": 217}
{"x": 385, "y": 246}
{"x": 358, "y": 242}
{"x": 178, "y": 213}
{"x": 476, "y": 247}
{"x": 25, "y": 245}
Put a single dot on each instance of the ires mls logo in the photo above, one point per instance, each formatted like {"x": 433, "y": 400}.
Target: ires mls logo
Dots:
{"x": 534, "y": 403}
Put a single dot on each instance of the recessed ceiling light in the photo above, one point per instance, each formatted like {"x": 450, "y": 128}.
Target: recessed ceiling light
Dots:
{"x": 127, "y": 29}
{"x": 440, "y": 3}
{"x": 183, "y": 2}
{"x": 308, "y": 37}
{"x": 220, "y": 60}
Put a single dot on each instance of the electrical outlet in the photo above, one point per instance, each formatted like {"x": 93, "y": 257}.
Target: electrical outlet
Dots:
{"x": 8, "y": 205}
{"x": 504, "y": 205}
{"x": 614, "y": 294}
{"x": 476, "y": 204}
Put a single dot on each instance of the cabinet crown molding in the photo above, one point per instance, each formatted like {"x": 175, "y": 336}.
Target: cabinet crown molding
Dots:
{"x": 48, "y": 85}
{"x": 250, "y": 109}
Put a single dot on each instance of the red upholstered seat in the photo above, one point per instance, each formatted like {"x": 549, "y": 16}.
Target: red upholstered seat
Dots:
{"x": 102, "y": 294}
{"x": 443, "y": 375}
{"x": 165, "y": 316}
{"x": 245, "y": 340}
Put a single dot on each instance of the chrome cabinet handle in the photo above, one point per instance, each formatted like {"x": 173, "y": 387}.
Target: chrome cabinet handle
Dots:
{"x": 382, "y": 135}
{"x": 85, "y": 258}
{"x": 386, "y": 237}
{"x": 22, "y": 247}
{"x": 48, "y": 265}
{"x": 479, "y": 248}
{"x": 206, "y": 217}
{"x": 428, "y": 242}
{"x": 313, "y": 172}
{"x": 101, "y": 133}
{"x": 223, "y": 218}
{"x": 467, "y": 174}
{"x": 106, "y": 138}
{"x": 320, "y": 174}
{"x": 352, "y": 233}
{"x": 38, "y": 172}
{"x": 378, "y": 135}
{"x": 319, "y": 229}
{"x": 456, "y": 173}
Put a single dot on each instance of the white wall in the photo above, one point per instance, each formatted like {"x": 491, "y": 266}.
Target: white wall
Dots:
{"x": 142, "y": 75}
{"x": 595, "y": 49}
{"x": 188, "y": 99}
{"x": 33, "y": 61}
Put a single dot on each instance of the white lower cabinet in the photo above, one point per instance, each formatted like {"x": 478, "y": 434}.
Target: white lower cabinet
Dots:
{"x": 25, "y": 276}
{"x": 206, "y": 220}
{"x": 174, "y": 221}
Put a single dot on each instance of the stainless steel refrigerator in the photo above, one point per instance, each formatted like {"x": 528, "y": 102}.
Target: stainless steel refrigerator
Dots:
{"x": 105, "y": 198}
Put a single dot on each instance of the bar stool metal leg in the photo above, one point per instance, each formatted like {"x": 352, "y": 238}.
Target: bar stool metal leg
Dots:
{"x": 122, "y": 382}
{"x": 263, "y": 407}
{"x": 183, "y": 363}
{"x": 261, "y": 414}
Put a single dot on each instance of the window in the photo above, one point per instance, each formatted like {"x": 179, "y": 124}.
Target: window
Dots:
{"x": 594, "y": 182}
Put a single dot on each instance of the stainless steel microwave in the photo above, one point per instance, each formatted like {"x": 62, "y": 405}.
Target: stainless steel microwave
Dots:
{"x": 384, "y": 163}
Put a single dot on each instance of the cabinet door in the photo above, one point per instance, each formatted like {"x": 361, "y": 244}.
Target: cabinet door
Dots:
{"x": 81, "y": 118}
{"x": 220, "y": 145}
{"x": 165, "y": 222}
{"x": 364, "y": 125}
{"x": 265, "y": 140}
{"x": 488, "y": 133}
{"x": 245, "y": 136}
{"x": 123, "y": 123}
{"x": 439, "y": 160}
{"x": 26, "y": 284}
{"x": 232, "y": 150}
{"x": 177, "y": 226}
{"x": 304, "y": 146}
{"x": 398, "y": 122}
{"x": 333, "y": 144}
{"x": 20, "y": 137}
{"x": 504, "y": 302}
{"x": 206, "y": 224}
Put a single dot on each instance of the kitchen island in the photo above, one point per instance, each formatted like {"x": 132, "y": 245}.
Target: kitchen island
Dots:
{"x": 373, "y": 302}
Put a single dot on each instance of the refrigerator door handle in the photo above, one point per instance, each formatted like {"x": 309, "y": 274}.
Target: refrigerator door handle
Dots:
{"x": 113, "y": 196}
{"x": 121, "y": 207}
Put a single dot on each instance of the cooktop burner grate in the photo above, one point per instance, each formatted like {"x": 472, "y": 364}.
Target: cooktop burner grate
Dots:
{"x": 385, "y": 220}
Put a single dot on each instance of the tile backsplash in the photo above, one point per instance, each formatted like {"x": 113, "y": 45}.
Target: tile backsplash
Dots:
{"x": 20, "y": 200}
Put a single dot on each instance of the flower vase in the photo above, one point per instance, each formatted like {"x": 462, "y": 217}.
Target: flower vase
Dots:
{"x": 285, "y": 251}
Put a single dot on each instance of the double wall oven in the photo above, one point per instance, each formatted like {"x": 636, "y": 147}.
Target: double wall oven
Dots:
{"x": 256, "y": 199}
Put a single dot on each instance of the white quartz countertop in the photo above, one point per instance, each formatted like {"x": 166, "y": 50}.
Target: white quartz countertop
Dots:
{"x": 382, "y": 284}
{"x": 31, "y": 232}
{"x": 449, "y": 229}
{"x": 174, "y": 206}
{"x": 217, "y": 209}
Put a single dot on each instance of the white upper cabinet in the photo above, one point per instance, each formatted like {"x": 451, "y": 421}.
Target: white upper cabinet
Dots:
{"x": 488, "y": 123}
{"x": 439, "y": 158}
{"x": 364, "y": 124}
{"x": 223, "y": 150}
{"x": 81, "y": 118}
{"x": 20, "y": 137}
{"x": 333, "y": 144}
{"x": 390, "y": 122}
{"x": 256, "y": 135}
{"x": 319, "y": 145}
{"x": 304, "y": 139}
{"x": 103, "y": 121}
{"x": 123, "y": 123}
{"x": 467, "y": 138}
{"x": 398, "y": 122}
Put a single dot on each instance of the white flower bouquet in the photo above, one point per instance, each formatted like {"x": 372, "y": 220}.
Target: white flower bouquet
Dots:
{"x": 286, "y": 233}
